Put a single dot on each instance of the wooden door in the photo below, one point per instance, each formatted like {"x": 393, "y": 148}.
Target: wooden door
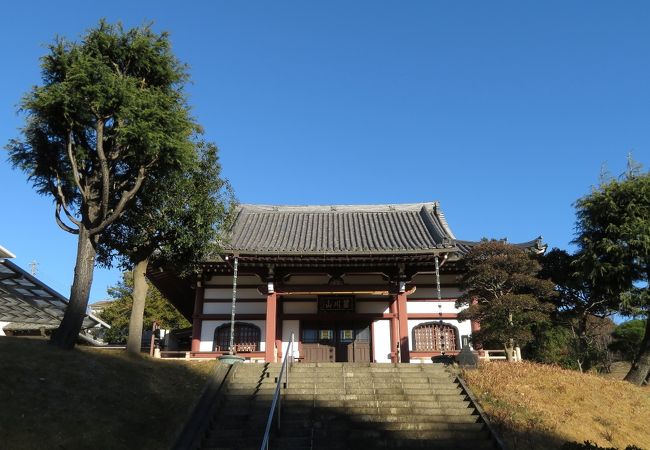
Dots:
{"x": 318, "y": 344}
{"x": 336, "y": 342}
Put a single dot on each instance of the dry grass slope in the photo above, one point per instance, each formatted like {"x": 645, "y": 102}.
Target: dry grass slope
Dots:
{"x": 539, "y": 406}
{"x": 85, "y": 398}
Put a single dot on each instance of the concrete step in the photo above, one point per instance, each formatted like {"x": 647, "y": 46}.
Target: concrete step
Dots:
{"x": 430, "y": 418}
{"x": 475, "y": 427}
{"x": 402, "y": 411}
{"x": 432, "y": 444}
{"x": 349, "y": 406}
{"x": 464, "y": 435}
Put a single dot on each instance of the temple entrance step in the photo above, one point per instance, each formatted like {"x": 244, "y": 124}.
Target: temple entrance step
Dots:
{"x": 348, "y": 406}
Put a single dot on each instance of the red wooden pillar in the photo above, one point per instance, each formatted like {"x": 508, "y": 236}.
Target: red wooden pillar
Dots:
{"x": 278, "y": 328}
{"x": 394, "y": 330}
{"x": 271, "y": 311}
{"x": 403, "y": 328}
{"x": 196, "y": 320}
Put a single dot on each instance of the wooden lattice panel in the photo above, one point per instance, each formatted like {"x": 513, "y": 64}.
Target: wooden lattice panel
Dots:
{"x": 434, "y": 337}
{"x": 247, "y": 338}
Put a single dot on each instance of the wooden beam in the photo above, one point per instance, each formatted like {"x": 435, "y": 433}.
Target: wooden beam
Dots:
{"x": 394, "y": 330}
{"x": 197, "y": 320}
{"x": 402, "y": 317}
{"x": 271, "y": 316}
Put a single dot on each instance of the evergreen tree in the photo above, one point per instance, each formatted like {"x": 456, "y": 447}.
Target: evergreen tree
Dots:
{"x": 110, "y": 112}
{"x": 627, "y": 339}
{"x": 118, "y": 313}
{"x": 577, "y": 306}
{"x": 613, "y": 236}
{"x": 503, "y": 293}
{"x": 175, "y": 223}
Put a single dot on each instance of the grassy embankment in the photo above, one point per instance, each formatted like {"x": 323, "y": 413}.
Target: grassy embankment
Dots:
{"x": 537, "y": 406}
{"x": 89, "y": 398}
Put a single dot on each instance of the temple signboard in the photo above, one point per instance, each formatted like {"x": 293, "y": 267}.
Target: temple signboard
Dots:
{"x": 335, "y": 303}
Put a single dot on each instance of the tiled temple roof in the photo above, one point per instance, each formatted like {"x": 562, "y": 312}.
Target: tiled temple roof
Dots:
{"x": 417, "y": 228}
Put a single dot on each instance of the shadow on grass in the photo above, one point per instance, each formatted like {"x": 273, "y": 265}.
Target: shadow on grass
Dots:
{"x": 85, "y": 398}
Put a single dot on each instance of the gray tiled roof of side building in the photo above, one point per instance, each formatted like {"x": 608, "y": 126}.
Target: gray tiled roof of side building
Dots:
{"x": 340, "y": 229}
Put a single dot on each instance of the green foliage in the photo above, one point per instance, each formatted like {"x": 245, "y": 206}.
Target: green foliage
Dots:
{"x": 111, "y": 112}
{"x": 111, "y": 109}
{"x": 178, "y": 219}
{"x": 554, "y": 344}
{"x": 579, "y": 310}
{"x": 627, "y": 338}
{"x": 613, "y": 238}
{"x": 118, "y": 313}
{"x": 503, "y": 292}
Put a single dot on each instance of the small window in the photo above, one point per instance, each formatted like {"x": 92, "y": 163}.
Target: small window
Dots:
{"x": 309, "y": 336}
{"x": 326, "y": 335}
{"x": 347, "y": 335}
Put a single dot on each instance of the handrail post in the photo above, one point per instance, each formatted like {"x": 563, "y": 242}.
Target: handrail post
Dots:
{"x": 277, "y": 396}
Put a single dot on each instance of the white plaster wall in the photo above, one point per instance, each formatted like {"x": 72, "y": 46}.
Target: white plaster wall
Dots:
{"x": 381, "y": 340}
{"x": 226, "y": 293}
{"x": 308, "y": 279}
{"x": 464, "y": 327}
{"x": 208, "y": 327}
{"x": 2, "y": 325}
{"x": 288, "y": 327}
{"x": 241, "y": 308}
{"x": 431, "y": 307}
{"x": 369, "y": 278}
{"x": 432, "y": 292}
{"x": 430, "y": 278}
{"x": 300, "y": 307}
{"x": 379, "y": 306}
{"x": 227, "y": 279}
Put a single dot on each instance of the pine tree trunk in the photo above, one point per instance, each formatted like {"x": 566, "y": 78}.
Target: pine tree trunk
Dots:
{"x": 140, "y": 288}
{"x": 66, "y": 335}
{"x": 641, "y": 366}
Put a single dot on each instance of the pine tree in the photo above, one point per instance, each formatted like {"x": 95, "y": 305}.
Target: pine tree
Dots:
{"x": 503, "y": 293}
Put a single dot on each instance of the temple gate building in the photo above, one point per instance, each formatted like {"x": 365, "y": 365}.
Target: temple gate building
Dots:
{"x": 353, "y": 283}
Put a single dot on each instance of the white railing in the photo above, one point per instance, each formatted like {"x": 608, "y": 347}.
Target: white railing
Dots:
{"x": 277, "y": 398}
{"x": 500, "y": 355}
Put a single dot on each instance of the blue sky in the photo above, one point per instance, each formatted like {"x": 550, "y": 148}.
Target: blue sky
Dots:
{"x": 505, "y": 112}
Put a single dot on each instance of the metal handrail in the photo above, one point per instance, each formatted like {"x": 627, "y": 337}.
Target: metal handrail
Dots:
{"x": 277, "y": 400}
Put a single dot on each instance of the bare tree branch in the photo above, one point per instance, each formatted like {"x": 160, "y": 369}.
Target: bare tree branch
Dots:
{"x": 57, "y": 191}
{"x": 63, "y": 226}
{"x": 61, "y": 203}
{"x": 75, "y": 168}
{"x": 103, "y": 164}
{"x": 126, "y": 196}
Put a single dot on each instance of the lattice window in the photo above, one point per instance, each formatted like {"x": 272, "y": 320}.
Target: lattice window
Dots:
{"x": 434, "y": 337}
{"x": 247, "y": 338}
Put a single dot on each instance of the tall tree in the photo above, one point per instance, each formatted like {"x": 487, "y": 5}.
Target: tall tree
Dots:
{"x": 175, "y": 222}
{"x": 111, "y": 111}
{"x": 118, "y": 312}
{"x": 577, "y": 304}
{"x": 613, "y": 238}
{"x": 502, "y": 292}
{"x": 627, "y": 337}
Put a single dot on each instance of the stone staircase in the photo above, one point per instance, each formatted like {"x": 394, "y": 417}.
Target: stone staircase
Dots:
{"x": 348, "y": 406}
